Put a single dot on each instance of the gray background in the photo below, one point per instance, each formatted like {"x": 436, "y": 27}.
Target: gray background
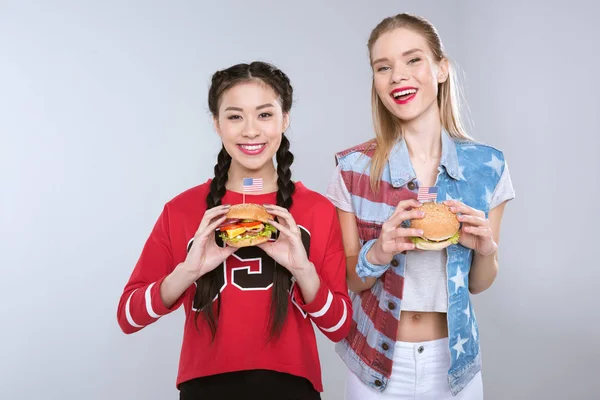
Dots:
{"x": 103, "y": 118}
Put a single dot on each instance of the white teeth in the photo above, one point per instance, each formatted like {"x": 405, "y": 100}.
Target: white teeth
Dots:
{"x": 405, "y": 92}
{"x": 253, "y": 147}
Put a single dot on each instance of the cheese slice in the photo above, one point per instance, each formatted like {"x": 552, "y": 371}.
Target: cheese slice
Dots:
{"x": 234, "y": 232}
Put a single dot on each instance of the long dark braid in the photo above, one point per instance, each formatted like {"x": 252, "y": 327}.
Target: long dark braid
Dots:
{"x": 208, "y": 286}
{"x": 208, "y": 289}
{"x": 217, "y": 185}
{"x": 281, "y": 276}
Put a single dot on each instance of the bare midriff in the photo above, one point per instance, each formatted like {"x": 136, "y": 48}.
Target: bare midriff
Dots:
{"x": 422, "y": 326}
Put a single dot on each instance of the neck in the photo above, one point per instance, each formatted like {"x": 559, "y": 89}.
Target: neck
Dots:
{"x": 237, "y": 173}
{"x": 423, "y": 136}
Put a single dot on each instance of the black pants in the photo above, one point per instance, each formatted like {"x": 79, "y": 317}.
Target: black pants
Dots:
{"x": 249, "y": 385}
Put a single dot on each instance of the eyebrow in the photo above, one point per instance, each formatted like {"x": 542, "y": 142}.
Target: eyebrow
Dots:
{"x": 266, "y": 105}
{"x": 406, "y": 53}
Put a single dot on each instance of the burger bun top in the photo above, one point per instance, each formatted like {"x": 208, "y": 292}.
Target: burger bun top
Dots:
{"x": 251, "y": 211}
{"x": 439, "y": 223}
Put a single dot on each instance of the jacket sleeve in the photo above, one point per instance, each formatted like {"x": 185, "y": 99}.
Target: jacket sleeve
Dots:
{"x": 140, "y": 304}
{"x": 331, "y": 309}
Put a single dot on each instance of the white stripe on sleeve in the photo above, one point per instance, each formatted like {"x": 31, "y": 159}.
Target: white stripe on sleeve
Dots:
{"x": 149, "y": 302}
{"x": 339, "y": 324}
{"x": 325, "y": 308}
{"x": 128, "y": 312}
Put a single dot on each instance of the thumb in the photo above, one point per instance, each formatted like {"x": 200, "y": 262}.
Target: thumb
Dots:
{"x": 266, "y": 246}
{"x": 229, "y": 250}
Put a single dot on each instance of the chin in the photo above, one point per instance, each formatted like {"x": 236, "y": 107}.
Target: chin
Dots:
{"x": 253, "y": 163}
{"x": 405, "y": 112}
{"x": 406, "y": 115}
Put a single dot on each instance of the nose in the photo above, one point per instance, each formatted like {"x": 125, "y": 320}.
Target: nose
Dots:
{"x": 250, "y": 130}
{"x": 398, "y": 75}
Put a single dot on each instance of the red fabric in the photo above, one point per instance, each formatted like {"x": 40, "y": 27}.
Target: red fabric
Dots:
{"x": 241, "y": 340}
{"x": 387, "y": 194}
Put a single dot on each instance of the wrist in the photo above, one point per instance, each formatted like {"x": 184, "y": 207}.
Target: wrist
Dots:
{"x": 306, "y": 272}
{"x": 490, "y": 253}
{"x": 373, "y": 256}
{"x": 309, "y": 283}
{"x": 366, "y": 268}
{"x": 183, "y": 273}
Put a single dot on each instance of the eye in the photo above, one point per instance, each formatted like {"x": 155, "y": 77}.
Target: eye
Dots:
{"x": 265, "y": 115}
{"x": 380, "y": 69}
{"x": 414, "y": 60}
{"x": 233, "y": 117}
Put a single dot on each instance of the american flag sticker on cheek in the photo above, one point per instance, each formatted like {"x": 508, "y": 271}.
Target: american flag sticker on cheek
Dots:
{"x": 427, "y": 193}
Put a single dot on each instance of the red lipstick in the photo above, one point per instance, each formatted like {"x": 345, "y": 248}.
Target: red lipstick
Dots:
{"x": 404, "y": 95}
{"x": 252, "y": 149}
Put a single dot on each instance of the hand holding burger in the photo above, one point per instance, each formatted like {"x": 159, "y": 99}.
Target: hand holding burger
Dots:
{"x": 476, "y": 232}
{"x": 253, "y": 225}
{"x": 394, "y": 238}
{"x": 288, "y": 250}
{"x": 204, "y": 255}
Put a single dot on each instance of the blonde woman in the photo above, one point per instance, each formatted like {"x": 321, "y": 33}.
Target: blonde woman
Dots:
{"x": 414, "y": 333}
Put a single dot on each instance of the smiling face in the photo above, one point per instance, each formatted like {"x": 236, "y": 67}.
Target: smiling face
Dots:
{"x": 406, "y": 75}
{"x": 250, "y": 123}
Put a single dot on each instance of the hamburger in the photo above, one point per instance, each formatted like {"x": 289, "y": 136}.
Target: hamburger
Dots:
{"x": 246, "y": 225}
{"x": 439, "y": 225}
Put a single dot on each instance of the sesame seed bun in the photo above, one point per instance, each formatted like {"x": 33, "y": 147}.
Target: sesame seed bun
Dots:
{"x": 439, "y": 226}
{"x": 249, "y": 211}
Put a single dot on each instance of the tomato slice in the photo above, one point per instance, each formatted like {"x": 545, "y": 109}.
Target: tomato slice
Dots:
{"x": 229, "y": 227}
{"x": 248, "y": 224}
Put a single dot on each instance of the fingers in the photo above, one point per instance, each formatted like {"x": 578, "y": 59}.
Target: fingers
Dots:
{"x": 478, "y": 231}
{"x": 408, "y": 232}
{"x": 284, "y": 214}
{"x": 403, "y": 245}
{"x": 210, "y": 228}
{"x": 406, "y": 204}
{"x": 459, "y": 207}
{"x": 471, "y": 220}
{"x": 266, "y": 246}
{"x": 401, "y": 216}
{"x": 212, "y": 213}
{"x": 282, "y": 229}
{"x": 270, "y": 207}
{"x": 228, "y": 250}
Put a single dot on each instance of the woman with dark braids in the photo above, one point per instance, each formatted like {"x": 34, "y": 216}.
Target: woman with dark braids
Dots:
{"x": 249, "y": 311}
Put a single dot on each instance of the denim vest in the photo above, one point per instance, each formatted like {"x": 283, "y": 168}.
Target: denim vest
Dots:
{"x": 468, "y": 172}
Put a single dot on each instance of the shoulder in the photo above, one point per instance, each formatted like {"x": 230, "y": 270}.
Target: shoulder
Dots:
{"x": 312, "y": 200}
{"x": 192, "y": 199}
{"x": 480, "y": 162}
{"x": 353, "y": 153}
{"x": 312, "y": 207}
{"x": 476, "y": 153}
{"x": 473, "y": 150}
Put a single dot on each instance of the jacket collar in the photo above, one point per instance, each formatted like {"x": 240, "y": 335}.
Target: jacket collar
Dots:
{"x": 401, "y": 169}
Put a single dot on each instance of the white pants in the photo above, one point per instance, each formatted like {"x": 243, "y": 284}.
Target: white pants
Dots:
{"x": 419, "y": 373}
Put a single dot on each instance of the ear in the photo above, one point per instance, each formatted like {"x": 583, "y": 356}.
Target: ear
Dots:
{"x": 216, "y": 125}
{"x": 443, "y": 70}
{"x": 286, "y": 121}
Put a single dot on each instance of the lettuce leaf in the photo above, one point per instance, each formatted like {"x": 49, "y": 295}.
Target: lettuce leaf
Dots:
{"x": 453, "y": 239}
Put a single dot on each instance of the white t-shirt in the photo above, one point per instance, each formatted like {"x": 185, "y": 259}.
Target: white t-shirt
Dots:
{"x": 425, "y": 281}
